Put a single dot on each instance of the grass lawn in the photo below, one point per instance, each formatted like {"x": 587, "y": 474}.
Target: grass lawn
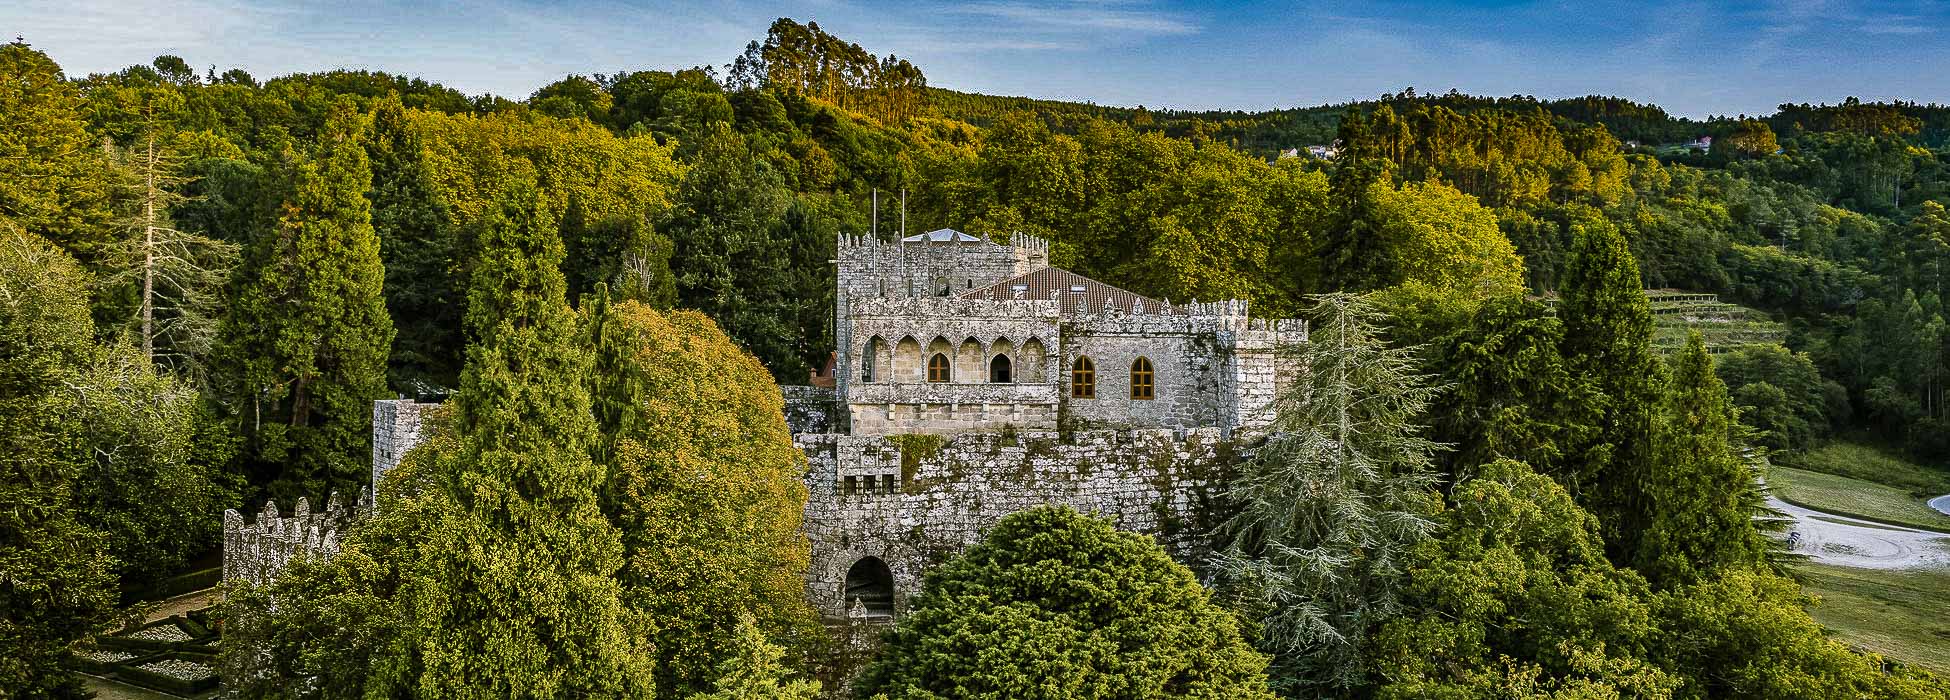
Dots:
{"x": 1862, "y": 499}
{"x": 1870, "y": 464}
{"x": 1903, "y": 615}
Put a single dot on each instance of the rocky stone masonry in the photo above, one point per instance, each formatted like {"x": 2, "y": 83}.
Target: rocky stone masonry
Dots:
{"x": 395, "y": 429}
{"x": 255, "y": 552}
{"x": 811, "y": 409}
{"x": 913, "y": 501}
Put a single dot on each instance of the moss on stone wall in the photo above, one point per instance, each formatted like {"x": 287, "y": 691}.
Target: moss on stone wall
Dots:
{"x": 915, "y": 449}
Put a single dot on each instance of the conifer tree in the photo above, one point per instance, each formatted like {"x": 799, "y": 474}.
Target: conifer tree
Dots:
{"x": 176, "y": 275}
{"x": 730, "y": 259}
{"x": 1701, "y": 492}
{"x": 1513, "y": 396}
{"x": 1608, "y": 341}
{"x": 1333, "y": 501}
{"x": 53, "y": 181}
{"x": 308, "y": 331}
{"x": 512, "y": 594}
{"x": 55, "y": 583}
{"x": 425, "y": 288}
{"x": 1355, "y": 255}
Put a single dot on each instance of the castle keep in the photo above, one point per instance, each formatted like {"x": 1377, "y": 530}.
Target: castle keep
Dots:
{"x": 973, "y": 380}
{"x": 944, "y": 332}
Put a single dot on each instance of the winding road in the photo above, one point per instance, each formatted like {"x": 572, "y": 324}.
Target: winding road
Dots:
{"x": 1941, "y": 504}
{"x": 1840, "y": 540}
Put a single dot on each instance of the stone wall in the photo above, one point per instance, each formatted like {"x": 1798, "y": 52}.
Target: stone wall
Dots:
{"x": 912, "y": 501}
{"x": 254, "y": 552}
{"x": 869, "y": 268}
{"x": 812, "y": 409}
{"x": 395, "y": 430}
{"x": 1213, "y": 366}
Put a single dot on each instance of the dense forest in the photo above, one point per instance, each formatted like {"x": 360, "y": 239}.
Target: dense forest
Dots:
{"x": 207, "y": 278}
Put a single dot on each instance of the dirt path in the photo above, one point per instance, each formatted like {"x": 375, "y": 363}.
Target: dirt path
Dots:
{"x": 1840, "y": 540}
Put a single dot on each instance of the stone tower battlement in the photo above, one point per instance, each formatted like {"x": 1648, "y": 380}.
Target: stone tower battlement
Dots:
{"x": 254, "y": 552}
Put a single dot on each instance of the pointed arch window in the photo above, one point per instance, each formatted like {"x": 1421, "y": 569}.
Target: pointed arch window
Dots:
{"x": 999, "y": 370}
{"x": 1083, "y": 379}
{"x": 870, "y": 358}
{"x": 1141, "y": 377}
{"x": 938, "y": 368}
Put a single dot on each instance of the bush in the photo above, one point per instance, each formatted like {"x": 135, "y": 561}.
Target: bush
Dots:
{"x": 1056, "y": 604}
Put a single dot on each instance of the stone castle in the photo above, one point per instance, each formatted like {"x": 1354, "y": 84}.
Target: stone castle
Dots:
{"x": 973, "y": 380}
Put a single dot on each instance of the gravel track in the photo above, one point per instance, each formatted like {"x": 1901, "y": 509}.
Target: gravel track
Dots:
{"x": 1840, "y": 540}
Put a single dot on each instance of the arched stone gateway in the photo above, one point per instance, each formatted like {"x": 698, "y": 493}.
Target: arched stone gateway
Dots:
{"x": 871, "y": 583}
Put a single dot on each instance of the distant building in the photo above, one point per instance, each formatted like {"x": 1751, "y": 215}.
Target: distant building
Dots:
{"x": 1323, "y": 152}
{"x": 1289, "y": 153}
{"x": 1704, "y": 143}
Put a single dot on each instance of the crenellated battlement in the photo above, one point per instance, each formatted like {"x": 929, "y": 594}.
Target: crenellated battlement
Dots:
{"x": 254, "y": 552}
{"x": 951, "y": 307}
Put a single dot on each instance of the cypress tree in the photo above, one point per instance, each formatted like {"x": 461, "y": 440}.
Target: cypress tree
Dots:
{"x": 308, "y": 327}
{"x": 730, "y": 261}
{"x": 1608, "y": 341}
{"x": 512, "y": 594}
{"x": 1701, "y": 493}
{"x": 1512, "y": 395}
{"x": 1354, "y": 256}
{"x": 425, "y": 288}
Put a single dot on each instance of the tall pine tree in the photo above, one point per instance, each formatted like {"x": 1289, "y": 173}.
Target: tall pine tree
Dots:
{"x": 308, "y": 331}
{"x": 1608, "y": 341}
{"x": 512, "y": 594}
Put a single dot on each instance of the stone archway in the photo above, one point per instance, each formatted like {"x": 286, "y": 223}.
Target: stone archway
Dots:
{"x": 870, "y": 582}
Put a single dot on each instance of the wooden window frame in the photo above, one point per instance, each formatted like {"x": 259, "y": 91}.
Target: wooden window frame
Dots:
{"x": 1143, "y": 380}
{"x": 941, "y": 370}
{"x": 1083, "y": 378}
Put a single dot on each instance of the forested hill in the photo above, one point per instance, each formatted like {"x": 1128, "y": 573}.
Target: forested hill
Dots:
{"x": 1271, "y": 131}
{"x": 207, "y": 278}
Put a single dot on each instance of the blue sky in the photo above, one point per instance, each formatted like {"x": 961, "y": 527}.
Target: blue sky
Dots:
{"x": 1694, "y": 58}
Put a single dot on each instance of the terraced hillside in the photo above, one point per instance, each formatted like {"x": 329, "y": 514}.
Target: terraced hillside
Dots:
{"x": 1725, "y": 326}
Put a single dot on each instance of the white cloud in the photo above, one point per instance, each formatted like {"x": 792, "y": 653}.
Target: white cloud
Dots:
{"x": 1086, "y": 16}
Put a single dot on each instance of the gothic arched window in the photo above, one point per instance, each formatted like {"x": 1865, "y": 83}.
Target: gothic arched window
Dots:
{"x": 938, "y": 367}
{"x": 999, "y": 370}
{"x": 1141, "y": 379}
{"x": 1083, "y": 379}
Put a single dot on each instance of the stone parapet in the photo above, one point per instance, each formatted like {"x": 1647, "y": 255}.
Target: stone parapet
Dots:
{"x": 254, "y": 552}
{"x": 812, "y": 409}
{"x": 862, "y": 307}
{"x": 868, "y": 395}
